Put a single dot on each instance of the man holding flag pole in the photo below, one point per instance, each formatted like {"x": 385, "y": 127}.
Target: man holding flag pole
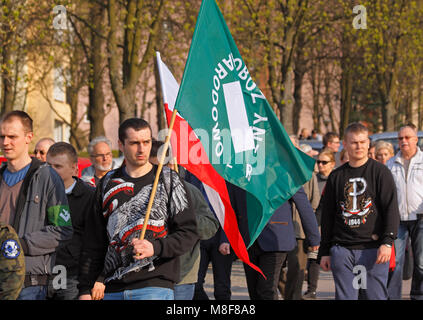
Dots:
{"x": 142, "y": 221}
{"x": 243, "y": 142}
{"x": 249, "y": 148}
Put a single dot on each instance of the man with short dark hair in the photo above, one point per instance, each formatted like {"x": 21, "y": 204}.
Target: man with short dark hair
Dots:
{"x": 359, "y": 221}
{"x": 331, "y": 141}
{"x": 63, "y": 158}
{"x": 406, "y": 167}
{"x": 33, "y": 201}
{"x": 114, "y": 258}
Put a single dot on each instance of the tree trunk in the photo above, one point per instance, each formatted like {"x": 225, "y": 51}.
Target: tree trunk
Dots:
{"x": 328, "y": 100}
{"x": 299, "y": 72}
{"x": 72, "y": 100}
{"x": 287, "y": 106}
{"x": 419, "y": 103}
{"x": 315, "y": 86}
{"x": 388, "y": 106}
{"x": 95, "y": 110}
{"x": 7, "y": 93}
{"x": 133, "y": 62}
{"x": 346, "y": 97}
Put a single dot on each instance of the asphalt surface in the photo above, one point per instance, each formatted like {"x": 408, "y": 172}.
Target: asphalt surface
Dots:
{"x": 325, "y": 289}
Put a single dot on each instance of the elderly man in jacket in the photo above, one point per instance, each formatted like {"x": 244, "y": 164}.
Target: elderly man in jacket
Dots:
{"x": 407, "y": 169}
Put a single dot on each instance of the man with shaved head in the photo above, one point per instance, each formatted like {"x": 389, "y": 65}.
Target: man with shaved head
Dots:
{"x": 41, "y": 148}
{"x": 33, "y": 202}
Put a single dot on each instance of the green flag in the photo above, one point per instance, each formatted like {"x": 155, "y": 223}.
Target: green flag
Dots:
{"x": 244, "y": 140}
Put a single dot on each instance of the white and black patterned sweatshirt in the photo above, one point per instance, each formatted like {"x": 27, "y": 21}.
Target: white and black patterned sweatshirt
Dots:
{"x": 118, "y": 217}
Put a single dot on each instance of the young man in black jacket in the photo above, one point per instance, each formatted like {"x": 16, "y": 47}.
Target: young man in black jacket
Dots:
{"x": 360, "y": 220}
{"x": 63, "y": 158}
{"x": 114, "y": 258}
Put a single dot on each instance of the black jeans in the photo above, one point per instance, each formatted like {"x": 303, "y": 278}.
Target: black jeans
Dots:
{"x": 313, "y": 271}
{"x": 270, "y": 264}
{"x": 222, "y": 267}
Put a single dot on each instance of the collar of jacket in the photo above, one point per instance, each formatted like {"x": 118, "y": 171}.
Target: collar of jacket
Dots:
{"x": 417, "y": 157}
{"x": 79, "y": 190}
{"x": 20, "y": 202}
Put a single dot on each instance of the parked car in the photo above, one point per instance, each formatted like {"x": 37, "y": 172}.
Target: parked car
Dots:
{"x": 82, "y": 164}
{"x": 317, "y": 144}
{"x": 392, "y": 137}
{"x": 314, "y": 144}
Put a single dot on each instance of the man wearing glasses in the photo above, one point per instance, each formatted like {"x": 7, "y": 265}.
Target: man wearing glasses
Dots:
{"x": 332, "y": 142}
{"x": 100, "y": 150}
{"x": 42, "y": 147}
{"x": 407, "y": 169}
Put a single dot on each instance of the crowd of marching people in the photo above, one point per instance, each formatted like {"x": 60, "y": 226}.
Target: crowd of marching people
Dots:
{"x": 100, "y": 235}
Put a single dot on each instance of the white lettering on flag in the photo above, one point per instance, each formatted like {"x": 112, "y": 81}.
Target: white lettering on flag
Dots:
{"x": 241, "y": 132}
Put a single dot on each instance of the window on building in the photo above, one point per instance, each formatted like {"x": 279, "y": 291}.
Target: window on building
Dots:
{"x": 59, "y": 93}
{"x": 58, "y": 130}
{"x": 61, "y": 131}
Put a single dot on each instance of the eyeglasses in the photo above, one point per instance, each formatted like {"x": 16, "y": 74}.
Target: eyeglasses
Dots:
{"x": 405, "y": 138}
{"x": 323, "y": 162}
{"x": 100, "y": 155}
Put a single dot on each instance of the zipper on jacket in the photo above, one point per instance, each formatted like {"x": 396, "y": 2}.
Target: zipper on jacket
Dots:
{"x": 406, "y": 188}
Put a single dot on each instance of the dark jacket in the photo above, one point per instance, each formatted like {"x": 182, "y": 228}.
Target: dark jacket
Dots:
{"x": 42, "y": 219}
{"x": 207, "y": 225}
{"x": 279, "y": 235}
{"x": 80, "y": 202}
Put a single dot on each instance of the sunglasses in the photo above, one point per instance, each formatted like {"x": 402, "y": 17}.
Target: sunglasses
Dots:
{"x": 39, "y": 151}
{"x": 323, "y": 162}
{"x": 405, "y": 138}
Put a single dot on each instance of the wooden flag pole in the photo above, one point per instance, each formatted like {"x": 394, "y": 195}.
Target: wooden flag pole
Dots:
{"x": 156, "y": 180}
{"x": 175, "y": 163}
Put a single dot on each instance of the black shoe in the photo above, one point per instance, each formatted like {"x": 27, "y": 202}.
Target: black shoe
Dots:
{"x": 309, "y": 295}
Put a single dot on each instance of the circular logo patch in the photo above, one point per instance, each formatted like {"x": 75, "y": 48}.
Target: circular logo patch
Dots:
{"x": 10, "y": 249}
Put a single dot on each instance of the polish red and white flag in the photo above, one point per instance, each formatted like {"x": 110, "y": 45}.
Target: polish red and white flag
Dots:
{"x": 190, "y": 153}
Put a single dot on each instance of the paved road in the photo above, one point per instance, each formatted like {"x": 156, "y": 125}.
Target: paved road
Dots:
{"x": 326, "y": 287}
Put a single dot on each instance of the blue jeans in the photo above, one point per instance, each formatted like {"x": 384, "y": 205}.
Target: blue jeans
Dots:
{"x": 184, "y": 291}
{"x": 149, "y": 293}
{"x": 33, "y": 293}
{"x": 70, "y": 293}
{"x": 414, "y": 230}
{"x": 349, "y": 266}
